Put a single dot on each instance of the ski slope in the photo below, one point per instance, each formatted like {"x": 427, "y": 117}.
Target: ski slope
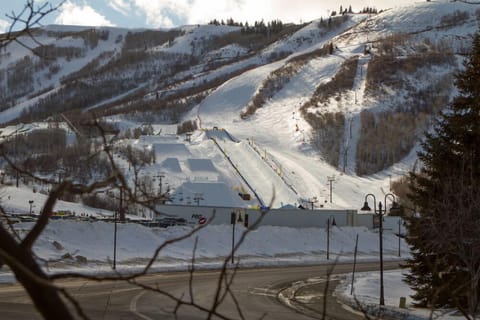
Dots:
{"x": 264, "y": 181}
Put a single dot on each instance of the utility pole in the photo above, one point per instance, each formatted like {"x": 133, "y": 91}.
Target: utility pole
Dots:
{"x": 331, "y": 180}
{"x": 345, "y": 158}
{"x": 122, "y": 213}
{"x": 16, "y": 156}
{"x": 197, "y": 197}
{"x": 160, "y": 177}
{"x": 312, "y": 202}
{"x": 350, "y": 121}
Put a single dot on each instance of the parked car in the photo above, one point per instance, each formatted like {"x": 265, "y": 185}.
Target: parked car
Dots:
{"x": 171, "y": 221}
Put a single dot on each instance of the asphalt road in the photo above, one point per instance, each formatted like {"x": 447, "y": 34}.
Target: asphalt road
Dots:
{"x": 259, "y": 293}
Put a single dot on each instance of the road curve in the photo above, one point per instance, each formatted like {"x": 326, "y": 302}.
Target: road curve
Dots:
{"x": 258, "y": 292}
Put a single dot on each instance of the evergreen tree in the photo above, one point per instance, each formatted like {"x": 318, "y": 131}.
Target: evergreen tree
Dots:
{"x": 445, "y": 235}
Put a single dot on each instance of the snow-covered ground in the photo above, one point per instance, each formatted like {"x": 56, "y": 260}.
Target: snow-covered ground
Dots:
{"x": 367, "y": 293}
{"x": 267, "y": 245}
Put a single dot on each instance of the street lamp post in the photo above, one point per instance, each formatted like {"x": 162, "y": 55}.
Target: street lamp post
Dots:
{"x": 328, "y": 234}
{"x": 380, "y": 233}
{"x": 16, "y": 156}
{"x": 233, "y": 221}
{"x": 399, "y": 238}
{"x": 31, "y": 205}
{"x": 114, "y": 241}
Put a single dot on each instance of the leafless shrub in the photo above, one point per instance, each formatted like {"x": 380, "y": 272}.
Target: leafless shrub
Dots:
{"x": 186, "y": 126}
{"x": 254, "y": 41}
{"x": 19, "y": 80}
{"x": 273, "y": 84}
{"x": 455, "y": 18}
{"x": 51, "y": 52}
{"x": 390, "y": 44}
{"x": 90, "y": 36}
{"x": 387, "y": 71}
{"x": 25, "y": 21}
{"x": 306, "y": 57}
{"x": 382, "y": 144}
{"x": 278, "y": 78}
{"x": 328, "y": 134}
{"x": 89, "y": 68}
{"x": 342, "y": 81}
{"x": 328, "y": 128}
{"x": 390, "y": 136}
{"x": 143, "y": 40}
{"x": 100, "y": 201}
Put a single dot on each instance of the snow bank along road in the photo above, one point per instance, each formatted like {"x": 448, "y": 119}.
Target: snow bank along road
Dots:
{"x": 259, "y": 292}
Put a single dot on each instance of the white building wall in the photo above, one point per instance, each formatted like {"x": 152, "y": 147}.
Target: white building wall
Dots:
{"x": 295, "y": 218}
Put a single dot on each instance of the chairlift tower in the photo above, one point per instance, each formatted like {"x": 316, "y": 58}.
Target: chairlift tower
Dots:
{"x": 331, "y": 180}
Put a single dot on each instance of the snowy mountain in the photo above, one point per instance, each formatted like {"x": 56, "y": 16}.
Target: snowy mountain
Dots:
{"x": 319, "y": 113}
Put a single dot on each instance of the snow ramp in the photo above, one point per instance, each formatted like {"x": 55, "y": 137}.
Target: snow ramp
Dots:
{"x": 220, "y": 134}
{"x": 264, "y": 182}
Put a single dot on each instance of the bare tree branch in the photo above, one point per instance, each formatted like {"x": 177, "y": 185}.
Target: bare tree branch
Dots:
{"x": 23, "y": 22}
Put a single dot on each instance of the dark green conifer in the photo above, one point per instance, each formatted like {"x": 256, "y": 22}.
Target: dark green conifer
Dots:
{"x": 445, "y": 234}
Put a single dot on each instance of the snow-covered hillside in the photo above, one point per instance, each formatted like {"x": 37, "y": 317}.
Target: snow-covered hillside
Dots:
{"x": 209, "y": 74}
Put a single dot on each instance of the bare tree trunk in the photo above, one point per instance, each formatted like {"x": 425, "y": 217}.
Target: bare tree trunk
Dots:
{"x": 44, "y": 295}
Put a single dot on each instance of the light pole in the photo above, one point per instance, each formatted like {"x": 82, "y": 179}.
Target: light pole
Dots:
{"x": 16, "y": 156}
{"x": 233, "y": 221}
{"x": 122, "y": 213}
{"x": 380, "y": 234}
{"x": 114, "y": 241}
{"x": 399, "y": 236}
{"x": 331, "y": 180}
{"x": 31, "y": 205}
{"x": 328, "y": 234}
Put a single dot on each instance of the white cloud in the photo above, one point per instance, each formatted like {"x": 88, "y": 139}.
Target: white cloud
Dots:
{"x": 83, "y": 15}
{"x": 168, "y": 13}
{"x": 4, "y": 25}
{"x": 121, "y": 6}
{"x": 203, "y": 11}
{"x": 164, "y": 13}
{"x": 161, "y": 13}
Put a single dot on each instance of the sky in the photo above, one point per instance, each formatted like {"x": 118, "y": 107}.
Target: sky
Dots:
{"x": 172, "y": 13}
